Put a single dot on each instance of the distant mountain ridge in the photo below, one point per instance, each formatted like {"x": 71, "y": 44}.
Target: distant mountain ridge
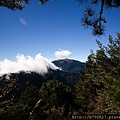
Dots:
{"x": 12, "y": 85}
{"x": 70, "y": 65}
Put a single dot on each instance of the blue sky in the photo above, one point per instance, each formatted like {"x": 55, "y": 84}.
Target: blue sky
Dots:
{"x": 51, "y": 27}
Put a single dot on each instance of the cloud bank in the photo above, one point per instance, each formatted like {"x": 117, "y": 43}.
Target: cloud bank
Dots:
{"x": 62, "y": 53}
{"x": 37, "y": 64}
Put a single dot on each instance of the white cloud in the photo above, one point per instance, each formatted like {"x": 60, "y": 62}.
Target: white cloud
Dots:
{"x": 62, "y": 53}
{"x": 37, "y": 64}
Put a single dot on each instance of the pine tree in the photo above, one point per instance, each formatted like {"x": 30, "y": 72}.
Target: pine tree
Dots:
{"x": 99, "y": 88}
{"x": 56, "y": 94}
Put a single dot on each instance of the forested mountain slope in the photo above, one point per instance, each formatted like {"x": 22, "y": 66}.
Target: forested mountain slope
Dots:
{"x": 70, "y": 65}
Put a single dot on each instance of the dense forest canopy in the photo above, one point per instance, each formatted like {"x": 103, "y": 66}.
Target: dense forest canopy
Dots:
{"x": 96, "y": 92}
{"x": 99, "y": 87}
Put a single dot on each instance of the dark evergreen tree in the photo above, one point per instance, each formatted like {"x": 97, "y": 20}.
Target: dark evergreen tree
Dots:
{"x": 99, "y": 88}
{"x": 56, "y": 94}
{"x": 21, "y": 110}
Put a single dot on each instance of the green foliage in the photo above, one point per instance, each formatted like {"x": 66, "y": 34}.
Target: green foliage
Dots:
{"x": 52, "y": 100}
{"x": 93, "y": 17}
{"x": 56, "y": 94}
{"x": 13, "y": 4}
{"x": 97, "y": 91}
{"x": 17, "y": 4}
{"x": 21, "y": 110}
{"x": 99, "y": 88}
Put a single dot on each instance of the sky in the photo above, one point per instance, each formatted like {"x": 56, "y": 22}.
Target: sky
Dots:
{"x": 52, "y": 30}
